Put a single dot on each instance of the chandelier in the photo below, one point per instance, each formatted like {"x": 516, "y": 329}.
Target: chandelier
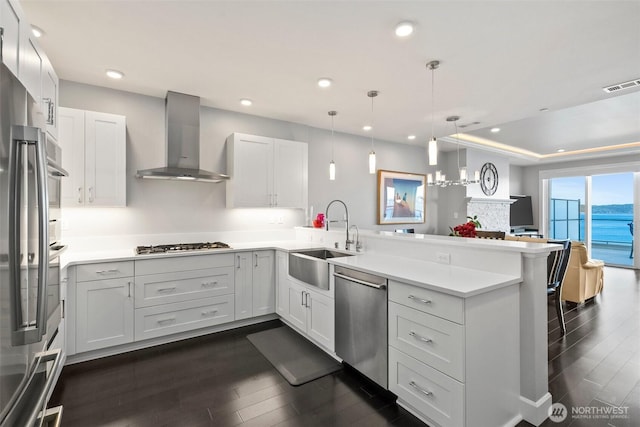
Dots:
{"x": 463, "y": 177}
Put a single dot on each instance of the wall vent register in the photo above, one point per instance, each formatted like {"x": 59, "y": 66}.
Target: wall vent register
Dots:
{"x": 180, "y": 247}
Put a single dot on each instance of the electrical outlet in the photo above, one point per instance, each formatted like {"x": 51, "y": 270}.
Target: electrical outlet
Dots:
{"x": 455, "y": 215}
{"x": 443, "y": 258}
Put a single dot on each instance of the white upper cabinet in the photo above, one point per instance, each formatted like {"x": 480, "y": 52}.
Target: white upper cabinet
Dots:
{"x": 50, "y": 89}
{"x": 266, "y": 172}
{"x": 11, "y": 19}
{"x": 95, "y": 144}
{"x": 22, "y": 54}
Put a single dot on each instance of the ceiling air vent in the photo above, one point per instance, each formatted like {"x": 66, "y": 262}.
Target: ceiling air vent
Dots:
{"x": 622, "y": 86}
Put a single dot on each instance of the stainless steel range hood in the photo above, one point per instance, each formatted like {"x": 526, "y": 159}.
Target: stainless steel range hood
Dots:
{"x": 182, "y": 139}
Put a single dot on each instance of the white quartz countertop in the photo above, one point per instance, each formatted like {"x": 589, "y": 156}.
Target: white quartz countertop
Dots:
{"x": 73, "y": 257}
{"x": 457, "y": 281}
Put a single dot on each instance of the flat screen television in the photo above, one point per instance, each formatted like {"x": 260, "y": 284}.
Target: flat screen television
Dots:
{"x": 521, "y": 214}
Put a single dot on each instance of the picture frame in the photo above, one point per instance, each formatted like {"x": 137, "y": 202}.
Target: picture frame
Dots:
{"x": 401, "y": 197}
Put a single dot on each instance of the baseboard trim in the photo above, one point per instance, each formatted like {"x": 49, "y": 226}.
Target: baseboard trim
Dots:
{"x": 535, "y": 412}
{"x": 125, "y": 348}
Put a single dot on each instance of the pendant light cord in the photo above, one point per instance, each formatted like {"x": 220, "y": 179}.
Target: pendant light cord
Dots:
{"x": 332, "y": 137}
{"x": 433, "y": 94}
{"x": 372, "y": 122}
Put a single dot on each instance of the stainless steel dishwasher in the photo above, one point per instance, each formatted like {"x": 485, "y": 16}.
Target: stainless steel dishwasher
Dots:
{"x": 361, "y": 322}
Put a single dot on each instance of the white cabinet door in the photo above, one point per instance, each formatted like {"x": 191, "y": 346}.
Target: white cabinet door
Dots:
{"x": 50, "y": 98}
{"x": 11, "y": 20}
{"x": 95, "y": 157}
{"x": 321, "y": 319}
{"x": 104, "y": 313}
{"x": 31, "y": 64}
{"x": 71, "y": 139}
{"x": 250, "y": 165}
{"x": 244, "y": 285}
{"x": 105, "y": 159}
{"x": 296, "y": 309}
{"x": 264, "y": 292}
{"x": 291, "y": 171}
{"x": 282, "y": 283}
{"x": 266, "y": 172}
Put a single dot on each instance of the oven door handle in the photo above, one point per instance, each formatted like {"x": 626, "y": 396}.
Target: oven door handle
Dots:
{"x": 55, "y": 170}
{"x": 57, "y": 356}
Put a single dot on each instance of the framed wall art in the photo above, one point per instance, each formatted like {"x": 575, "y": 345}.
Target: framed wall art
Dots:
{"x": 401, "y": 197}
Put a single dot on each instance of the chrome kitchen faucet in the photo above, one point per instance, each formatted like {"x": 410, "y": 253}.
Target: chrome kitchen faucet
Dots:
{"x": 348, "y": 242}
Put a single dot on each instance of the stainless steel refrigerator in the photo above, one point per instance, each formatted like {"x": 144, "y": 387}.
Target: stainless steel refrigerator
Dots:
{"x": 28, "y": 368}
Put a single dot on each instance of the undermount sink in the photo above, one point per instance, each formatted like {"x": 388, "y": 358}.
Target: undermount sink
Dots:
{"x": 311, "y": 266}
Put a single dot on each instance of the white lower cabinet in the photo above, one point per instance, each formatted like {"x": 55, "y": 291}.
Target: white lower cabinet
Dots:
{"x": 309, "y": 311}
{"x": 254, "y": 284}
{"x": 104, "y": 308}
{"x": 447, "y": 362}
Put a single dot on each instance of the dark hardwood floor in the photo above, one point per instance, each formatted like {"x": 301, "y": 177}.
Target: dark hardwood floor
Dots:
{"x": 222, "y": 380}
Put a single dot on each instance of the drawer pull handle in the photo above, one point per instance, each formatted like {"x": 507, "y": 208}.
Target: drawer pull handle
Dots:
{"x": 209, "y": 313}
{"x": 163, "y": 290}
{"x": 418, "y": 337}
{"x": 209, "y": 284}
{"x": 165, "y": 321}
{"x": 111, "y": 271}
{"x": 415, "y": 298}
{"x": 420, "y": 389}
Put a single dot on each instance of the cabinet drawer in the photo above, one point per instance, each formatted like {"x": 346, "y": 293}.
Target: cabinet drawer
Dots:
{"x": 438, "y": 397}
{"x": 432, "y": 302}
{"x": 104, "y": 270}
{"x": 180, "y": 286}
{"x": 184, "y": 316}
{"x": 437, "y": 342}
{"x": 183, "y": 263}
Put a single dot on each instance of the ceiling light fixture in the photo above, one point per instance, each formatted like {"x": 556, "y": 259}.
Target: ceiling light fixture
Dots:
{"x": 372, "y": 155}
{"x": 495, "y": 130}
{"x": 115, "y": 74}
{"x": 324, "y": 82}
{"x": 37, "y": 31}
{"x": 404, "y": 29}
{"x": 433, "y": 143}
{"x": 366, "y": 128}
{"x": 411, "y": 137}
{"x": 463, "y": 177}
{"x": 332, "y": 165}
{"x": 246, "y": 102}
{"x": 544, "y": 110}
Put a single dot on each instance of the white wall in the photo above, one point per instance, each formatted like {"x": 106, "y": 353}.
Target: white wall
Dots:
{"x": 516, "y": 179}
{"x": 158, "y": 207}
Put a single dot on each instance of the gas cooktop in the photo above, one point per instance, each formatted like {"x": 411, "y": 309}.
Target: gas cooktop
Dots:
{"x": 180, "y": 247}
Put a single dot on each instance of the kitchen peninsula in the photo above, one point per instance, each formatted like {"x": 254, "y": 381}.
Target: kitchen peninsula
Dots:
{"x": 493, "y": 296}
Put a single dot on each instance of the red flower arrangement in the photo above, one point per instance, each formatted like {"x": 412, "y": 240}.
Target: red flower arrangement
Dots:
{"x": 468, "y": 229}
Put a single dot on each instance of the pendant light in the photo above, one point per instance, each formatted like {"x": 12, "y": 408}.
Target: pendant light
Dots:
{"x": 332, "y": 165}
{"x": 372, "y": 155}
{"x": 433, "y": 143}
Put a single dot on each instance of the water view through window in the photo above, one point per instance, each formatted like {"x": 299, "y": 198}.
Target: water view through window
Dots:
{"x": 611, "y": 214}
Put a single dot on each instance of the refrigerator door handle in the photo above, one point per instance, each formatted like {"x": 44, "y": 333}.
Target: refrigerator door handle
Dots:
{"x": 23, "y": 331}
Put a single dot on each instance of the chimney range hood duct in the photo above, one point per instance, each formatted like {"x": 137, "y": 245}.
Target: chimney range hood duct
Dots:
{"x": 182, "y": 139}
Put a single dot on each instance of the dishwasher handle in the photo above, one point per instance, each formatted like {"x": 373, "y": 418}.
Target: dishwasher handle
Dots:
{"x": 381, "y": 287}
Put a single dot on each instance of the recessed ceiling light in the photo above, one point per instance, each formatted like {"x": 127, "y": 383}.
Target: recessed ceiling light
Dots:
{"x": 115, "y": 74}
{"x": 246, "y": 102}
{"x": 411, "y": 137}
{"x": 404, "y": 29}
{"x": 560, "y": 150}
{"x": 495, "y": 130}
{"x": 324, "y": 82}
{"x": 544, "y": 110}
{"x": 366, "y": 127}
{"x": 37, "y": 31}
